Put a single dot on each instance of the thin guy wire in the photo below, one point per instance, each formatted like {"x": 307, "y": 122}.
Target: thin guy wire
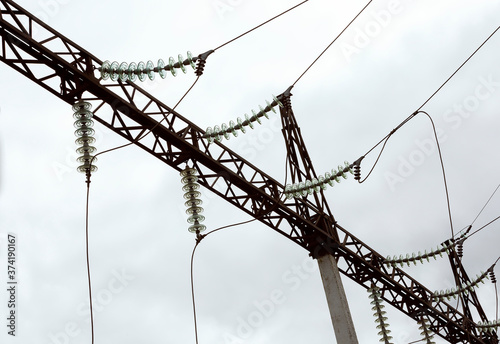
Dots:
{"x": 87, "y": 209}
{"x": 444, "y": 173}
{"x": 255, "y": 28}
{"x": 489, "y": 223}
{"x": 88, "y": 261}
{"x": 488, "y": 201}
{"x": 329, "y": 45}
{"x": 455, "y": 72}
{"x": 192, "y": 260}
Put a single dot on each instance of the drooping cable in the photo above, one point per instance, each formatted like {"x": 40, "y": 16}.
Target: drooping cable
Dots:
{"x": 329, "y": 45}
{"x": 442, "y": 169}
{"x": 432, "y": 95}
{"x": 88, "y": 260}
{"x": 258, "y": 26}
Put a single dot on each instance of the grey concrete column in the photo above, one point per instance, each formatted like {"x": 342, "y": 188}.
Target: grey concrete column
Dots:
{"x": 337, "y": 301}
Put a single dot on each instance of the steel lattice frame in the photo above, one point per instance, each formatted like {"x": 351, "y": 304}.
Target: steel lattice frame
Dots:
{"x": 69, "y": 72}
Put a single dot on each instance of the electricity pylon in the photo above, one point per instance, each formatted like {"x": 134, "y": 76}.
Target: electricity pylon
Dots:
{"x": 69, "y": 72}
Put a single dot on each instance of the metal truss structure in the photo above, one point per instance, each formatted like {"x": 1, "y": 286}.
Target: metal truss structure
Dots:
{"x": 69, "y": 72}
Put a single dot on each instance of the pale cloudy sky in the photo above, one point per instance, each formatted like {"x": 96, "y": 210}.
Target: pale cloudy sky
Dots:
{"x": 380, "y": 71}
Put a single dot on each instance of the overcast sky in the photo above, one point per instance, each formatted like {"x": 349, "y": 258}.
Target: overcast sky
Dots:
{"x": 393, "y": 57}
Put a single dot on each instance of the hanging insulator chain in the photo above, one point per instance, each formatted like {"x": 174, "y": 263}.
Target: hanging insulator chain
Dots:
{"x": 193, "y": 203}
{"x": 379, "y": 315}
{"x": 124, "y": 71}
{"x": 488, "y": 326}
{"x": 463, "y": 289}
{"x": 225, "y": 131}
{"x": 85, "y": 136}
{"x": 426, "y": 331}
{"x": 446, "y": 247}
{"x": 314, "y": 185}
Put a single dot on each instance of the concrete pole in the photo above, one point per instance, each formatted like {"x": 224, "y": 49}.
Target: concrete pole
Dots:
{"x": 337, "y": 301}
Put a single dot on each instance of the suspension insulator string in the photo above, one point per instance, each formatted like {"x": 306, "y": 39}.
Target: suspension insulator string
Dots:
{"x": 217, "y": 133}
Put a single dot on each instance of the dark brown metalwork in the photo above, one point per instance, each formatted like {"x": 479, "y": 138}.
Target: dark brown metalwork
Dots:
{"x": 69, "y": 72}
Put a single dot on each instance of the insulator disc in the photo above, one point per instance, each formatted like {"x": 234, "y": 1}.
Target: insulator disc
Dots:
{"x": 132, "y": 68}
{"x": 82, "y": 113}
{"x": 85, "y": 158}
{"x": 240, "y": 124}
{"x": 193, "y": 202}
{"x": 190, "y": 60}
{"x": 171, "y": 63}
{"x": 161, "y": 69}
{"x": 263, "y": 112}
{"x": 255, "y": 117}
{"x": 150, "y": 70}
{"x": 82, "y": 105}
{"x": 193, "y": 219}
{"x": 86, "y": 150}
{"x": 277, "y": 101}
{"x": 113, "y": 71}
{"x": 191, "y": 188}
{"x": 232, "y": 130}
{"x": 140, "y": 71}
{"x": 225, "y": 131}
{"x": 83, "y": 122}
{"x": 84, "y": 168}
{"x": 123, "y": 71}
{"x": 188, "y": 179}
{"x": 217, "y": 132}
{"x": 85, "y": 140}
{"x": 191, "y": 195}
{"x": 247, "y": 119}
{"x": 194, "y": 210}
{"x": 270, "y": 106}
{"x": 181, "y": 63}
{"x": 188, "y": 172}
{"x": 105, "y": 70}
{"x": 199, "y": 227}
{"x": 85, "y": 131}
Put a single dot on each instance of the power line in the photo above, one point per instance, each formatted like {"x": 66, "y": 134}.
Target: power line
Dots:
{"x": 329, "y": 45}
{"x": 456, "y": 71}
{"x": 258, "y": 26}
{"x": 488, "y": 201}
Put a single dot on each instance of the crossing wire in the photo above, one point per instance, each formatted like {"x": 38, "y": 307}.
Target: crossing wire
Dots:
{"x": 329, "y": 45}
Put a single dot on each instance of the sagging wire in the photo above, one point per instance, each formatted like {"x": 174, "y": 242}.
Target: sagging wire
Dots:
{"x": 425, "y": 102}
{"x": 200, "y": 237}
{"x": 83, "y": 122}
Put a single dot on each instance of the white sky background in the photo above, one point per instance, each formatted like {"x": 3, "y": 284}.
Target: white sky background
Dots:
{"x": 345, "y": 104}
